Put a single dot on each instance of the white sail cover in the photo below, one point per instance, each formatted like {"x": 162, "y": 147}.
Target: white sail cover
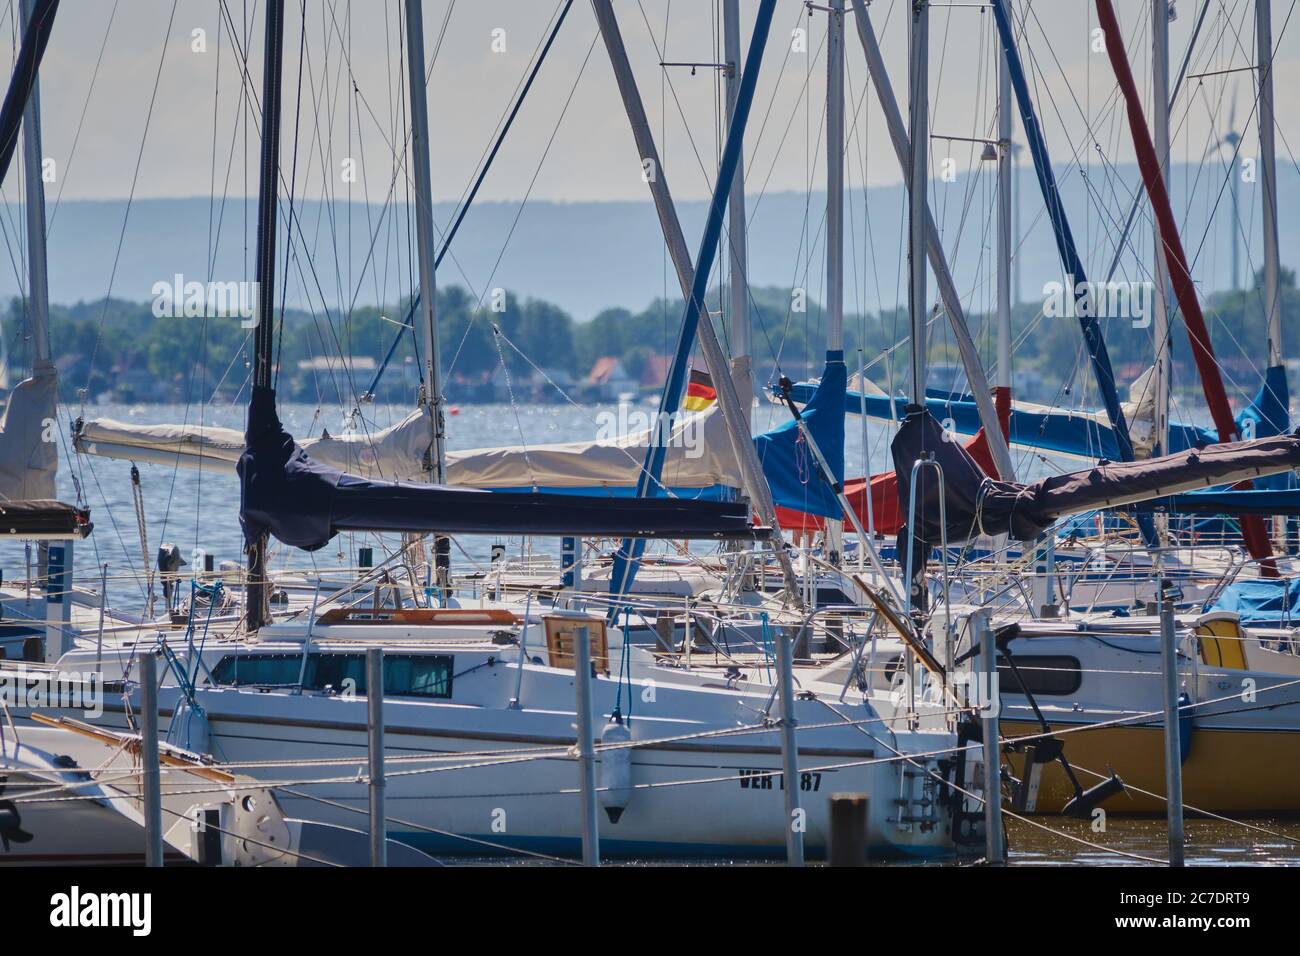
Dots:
{"x": 698, "y": 455}
{"x": 28, "y": 461}
{"x": 396, "y": 452}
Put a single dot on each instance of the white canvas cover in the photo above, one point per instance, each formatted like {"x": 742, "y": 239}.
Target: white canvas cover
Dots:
{"x": 28, "y": 463}
{"x": 394, "y": 452}
{"x": 699, "y": 454}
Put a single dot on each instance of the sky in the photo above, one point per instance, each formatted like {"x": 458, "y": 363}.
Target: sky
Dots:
{"x": 143, "y": 97}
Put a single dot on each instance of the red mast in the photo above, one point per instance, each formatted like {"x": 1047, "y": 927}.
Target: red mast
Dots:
{"x": 1180, "y": 276}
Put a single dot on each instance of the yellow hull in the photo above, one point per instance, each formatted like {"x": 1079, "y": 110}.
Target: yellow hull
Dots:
{"x": 1227, "y": 771}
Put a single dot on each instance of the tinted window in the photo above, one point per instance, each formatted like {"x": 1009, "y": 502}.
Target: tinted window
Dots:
{"x": 405, "y": 675}
{"x": 1043, "y": 674}
{"x": 258, "y": 669}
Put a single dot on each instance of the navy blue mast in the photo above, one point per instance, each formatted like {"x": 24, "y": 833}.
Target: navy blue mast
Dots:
{"x": 255, "y": 544}
{"x": 35, "y": 38}
{"x": 1100, "y": 358}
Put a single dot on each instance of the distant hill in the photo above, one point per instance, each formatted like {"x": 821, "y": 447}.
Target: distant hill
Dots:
{"x": 589, "y": 256}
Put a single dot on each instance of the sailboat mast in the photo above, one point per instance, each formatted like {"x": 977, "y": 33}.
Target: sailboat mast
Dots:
{"x": 1160, "y": 311}
{"x": 835, "y": 214}
{"x": 1006, "y": 247}
{"x": 738, "y": 291}
{"x": 919, "y": 134}
{"x": 431, "y": 396}
{"x": 38, "y": 293}
{"x": 943, "y": 280}
{"x": 835, "y": 176}
{"x": 734, "y": 408}
{"x": 918, "y": 107}
{"x": 257, "y": 599}
{"x": 1268, "y": 179}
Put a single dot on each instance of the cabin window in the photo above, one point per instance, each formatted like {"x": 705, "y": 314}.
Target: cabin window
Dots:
{"x": 832, "y": 596}
{"x": 258, "y": 670}
{"x": 418, "y": 675}
{"x": 405, "y": 675}
{"x": 339, "y": 671}
{"x": 1043, "y": 674}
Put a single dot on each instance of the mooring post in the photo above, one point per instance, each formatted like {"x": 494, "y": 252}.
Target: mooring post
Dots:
{"x": 794, "y": 817}
{"x": 1173, "y": 746}
{"x": 586, "y": 747}
{"x": 990, "y": 700}
{"x": 151, "y": 776}
{"x": 849, "y": 812}
{"x": 375, "y": 713}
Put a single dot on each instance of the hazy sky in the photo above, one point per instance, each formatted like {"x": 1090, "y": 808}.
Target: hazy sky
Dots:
{"x": 351, "y": 94}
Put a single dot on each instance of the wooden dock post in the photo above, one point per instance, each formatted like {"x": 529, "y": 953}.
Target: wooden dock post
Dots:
{"x": 848, "y": 844}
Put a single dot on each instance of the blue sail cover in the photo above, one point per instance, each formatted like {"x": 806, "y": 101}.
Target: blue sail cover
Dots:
{"x": 304, "y": 503}
{"x": 790, "y": 466}
{"x": 1264, "y": 602}
{"x": 1078, "y": 435}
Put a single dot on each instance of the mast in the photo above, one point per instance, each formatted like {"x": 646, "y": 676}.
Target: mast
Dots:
{"x": 257, "y": 598}
{"x": 734, "y": 414}
{"x": 835, "y": 215}
{"x": 1268, "y": 180}
{"x": 736, "y": 226}
{"x": 918, "y": 108}
{"x": 1160, "y": 317}
{"x": 835, "y": 177}
{"x": 28, "y": 464}
{"x": 431, "y": 393}
{"x": 38, "y": 292}
{"x": 970, "y": 359}
{"x": 919, "y": 134}
{"x": 1253, "y": 533}
{"x": 1006, "y": 248}
{"x": 1098, "y": 355}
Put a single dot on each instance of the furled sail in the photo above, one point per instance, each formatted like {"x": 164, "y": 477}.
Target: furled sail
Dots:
{"x": 699, "y": 454}
{"x": 304, "y": 503}
{"x": 789, "y": 465}
{"x": 29, "y": 459}
{"x": 1076, "y": 433}
{"x": 396, "y": 452}
{"x": 976, "y": 504}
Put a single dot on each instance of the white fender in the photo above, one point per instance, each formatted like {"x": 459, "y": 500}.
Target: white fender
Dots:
{"x": 614, "y": 777}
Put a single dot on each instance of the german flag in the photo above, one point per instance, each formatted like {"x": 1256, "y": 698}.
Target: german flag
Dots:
{"x": 700, "y": 393}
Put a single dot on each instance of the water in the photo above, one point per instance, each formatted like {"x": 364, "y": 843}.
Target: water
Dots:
{"x": 198, "y": 509}
{"x": 1209, "y": 842}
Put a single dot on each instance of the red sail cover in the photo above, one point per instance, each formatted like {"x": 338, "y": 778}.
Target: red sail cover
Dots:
{"x": 886, "y": 513}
